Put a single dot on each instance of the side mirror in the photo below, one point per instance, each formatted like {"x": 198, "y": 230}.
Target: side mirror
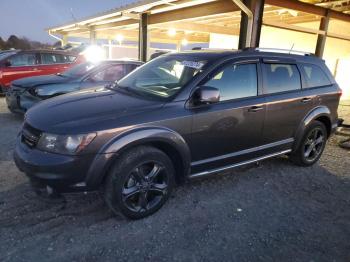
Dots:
{"x": 205, "y": 95}
{"x": 7, "y": 63}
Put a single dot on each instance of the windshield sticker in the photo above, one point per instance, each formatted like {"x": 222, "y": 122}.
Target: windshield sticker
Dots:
{"x": 192, "y": 64}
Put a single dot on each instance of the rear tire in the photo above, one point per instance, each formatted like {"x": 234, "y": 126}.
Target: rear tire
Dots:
{"x": 140, "y": 182}
{"x": 311, "y": 145}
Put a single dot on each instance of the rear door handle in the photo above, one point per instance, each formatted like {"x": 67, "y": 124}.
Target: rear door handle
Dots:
{"x": 306, "y": 99}
{"x": 255, "y": 109}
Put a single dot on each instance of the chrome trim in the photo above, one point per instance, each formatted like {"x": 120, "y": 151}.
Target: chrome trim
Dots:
{"x": 208, "y": 172}
{"x": 245, "y": 151}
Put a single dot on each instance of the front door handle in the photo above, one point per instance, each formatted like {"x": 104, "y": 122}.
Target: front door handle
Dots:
{"x": 254, "y": 109}
{"x": 306, "y": 99}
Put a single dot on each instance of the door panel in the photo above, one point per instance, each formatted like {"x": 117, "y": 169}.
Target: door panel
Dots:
{"x": 51, "y": 63}
{"x": 286, "y": 103}
{"x": 22, "y": 65}
{"x": 225, "y": 128}
{"x": 284, "y": 113}
{"x": 234, "y": 124}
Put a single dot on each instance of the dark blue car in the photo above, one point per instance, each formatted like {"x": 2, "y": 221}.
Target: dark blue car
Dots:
{"x": 26, "y": 92}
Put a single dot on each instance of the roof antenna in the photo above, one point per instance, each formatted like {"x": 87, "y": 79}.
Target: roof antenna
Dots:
{"x": 291, "y": 48}
{"x": 72, "y": 14}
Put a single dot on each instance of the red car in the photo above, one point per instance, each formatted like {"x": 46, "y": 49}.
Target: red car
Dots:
{"x": 15, "y": 64}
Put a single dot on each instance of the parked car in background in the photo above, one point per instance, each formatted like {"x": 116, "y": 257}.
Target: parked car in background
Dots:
{"x": 16, "y": 64}
{"x": 26, "y": 92}
{"x": 182, "y": 115}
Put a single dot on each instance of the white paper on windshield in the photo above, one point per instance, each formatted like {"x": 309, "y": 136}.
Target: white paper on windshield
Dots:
{"x": 192, "y": 64}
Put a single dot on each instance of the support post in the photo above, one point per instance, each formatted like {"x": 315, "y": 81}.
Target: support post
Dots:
{"x": 143, "y": 37}
{"x": 258, "y": 13}
{"x": 178, "y": 46}
{"x": 257, "y": 8}
{"x": 321, "y": 39}
{"x": 92, "y": 35}
{"x": 64, "y": 40}
{"x": 110, "y": 48}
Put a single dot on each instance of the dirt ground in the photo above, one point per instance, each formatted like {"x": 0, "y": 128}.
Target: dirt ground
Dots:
{"x": 274, "y": 211}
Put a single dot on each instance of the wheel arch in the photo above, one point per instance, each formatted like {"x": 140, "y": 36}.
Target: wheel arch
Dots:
{"x": 167, "y": 140}
{"x": 322, "y": 114}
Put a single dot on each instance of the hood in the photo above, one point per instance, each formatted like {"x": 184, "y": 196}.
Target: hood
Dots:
{"x": 87, "y": 111}
{"x": 28, "y": 82}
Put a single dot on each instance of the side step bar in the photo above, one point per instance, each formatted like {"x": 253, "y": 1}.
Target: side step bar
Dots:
{"x": 220, "y": 169}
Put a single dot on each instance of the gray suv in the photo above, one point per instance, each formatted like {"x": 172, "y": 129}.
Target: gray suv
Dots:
{"x": 179, "y": 116}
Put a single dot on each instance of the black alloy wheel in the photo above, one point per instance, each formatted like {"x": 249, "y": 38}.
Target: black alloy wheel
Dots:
{"x": 311, "y": 145}
{"x": 314, "y": 144}
{"x": 140, "y": 182}
{"x": 145, "y": 186}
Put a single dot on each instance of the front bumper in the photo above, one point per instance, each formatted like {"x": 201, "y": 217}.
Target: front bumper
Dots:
{"x": 13, "y": 101}
{"x": 62, "y": 172}
{"x": 19, "y": 101}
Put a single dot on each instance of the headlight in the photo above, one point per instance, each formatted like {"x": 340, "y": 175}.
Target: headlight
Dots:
{"x": 64, "y": 144}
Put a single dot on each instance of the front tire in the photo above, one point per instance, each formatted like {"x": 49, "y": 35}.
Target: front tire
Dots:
{"x": 311, "y": 145}
{"x": 140, "y": 182}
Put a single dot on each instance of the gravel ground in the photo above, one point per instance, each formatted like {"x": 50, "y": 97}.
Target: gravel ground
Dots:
{"x": 269, "y": 212}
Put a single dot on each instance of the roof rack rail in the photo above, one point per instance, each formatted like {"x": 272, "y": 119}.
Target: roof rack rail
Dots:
{"x": 284, "y": 51}
{"x": 214, "y": 49}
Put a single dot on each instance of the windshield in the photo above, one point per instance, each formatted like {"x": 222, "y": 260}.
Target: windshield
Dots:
{"x": 162, "y": 77}
{"x": 79, "y": 70}
{"x": 6, "y": 54}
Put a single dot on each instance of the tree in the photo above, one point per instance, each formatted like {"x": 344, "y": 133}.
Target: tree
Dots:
{"x": 22, "y": 43}
{"x": 2, "y": 44}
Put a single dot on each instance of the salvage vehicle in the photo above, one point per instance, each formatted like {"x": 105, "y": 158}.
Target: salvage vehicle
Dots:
{"x": 180, "y": 116}
{"x": 26, "y": 92}
{"x": 16, "y": 64}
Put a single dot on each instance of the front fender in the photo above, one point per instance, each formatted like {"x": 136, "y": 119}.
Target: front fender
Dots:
{"x": 317, "y": 112}
{"x": 134, "y": 137}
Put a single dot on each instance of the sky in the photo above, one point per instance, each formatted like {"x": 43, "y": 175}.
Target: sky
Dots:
{"x": 30, "y": 18}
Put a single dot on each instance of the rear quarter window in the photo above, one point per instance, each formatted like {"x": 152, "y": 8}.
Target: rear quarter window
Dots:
{"x": 314, "y": 76}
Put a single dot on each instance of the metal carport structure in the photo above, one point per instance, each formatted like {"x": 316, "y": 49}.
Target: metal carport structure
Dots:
{"x": 317, "y": 26}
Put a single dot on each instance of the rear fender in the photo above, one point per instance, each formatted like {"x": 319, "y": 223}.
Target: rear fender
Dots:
{"x": 311, "y": 116}
{"x": 145, "y": 135}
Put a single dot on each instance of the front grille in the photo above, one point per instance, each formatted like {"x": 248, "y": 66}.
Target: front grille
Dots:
{"x": 30, "y": 135}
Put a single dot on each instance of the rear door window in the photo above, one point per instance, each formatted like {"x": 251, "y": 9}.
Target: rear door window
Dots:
{"x": 48, "y": 59}
{"x": 23, "y": 59}
{"x": 314, "y": 76}
{"x": 281, "y": 78}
